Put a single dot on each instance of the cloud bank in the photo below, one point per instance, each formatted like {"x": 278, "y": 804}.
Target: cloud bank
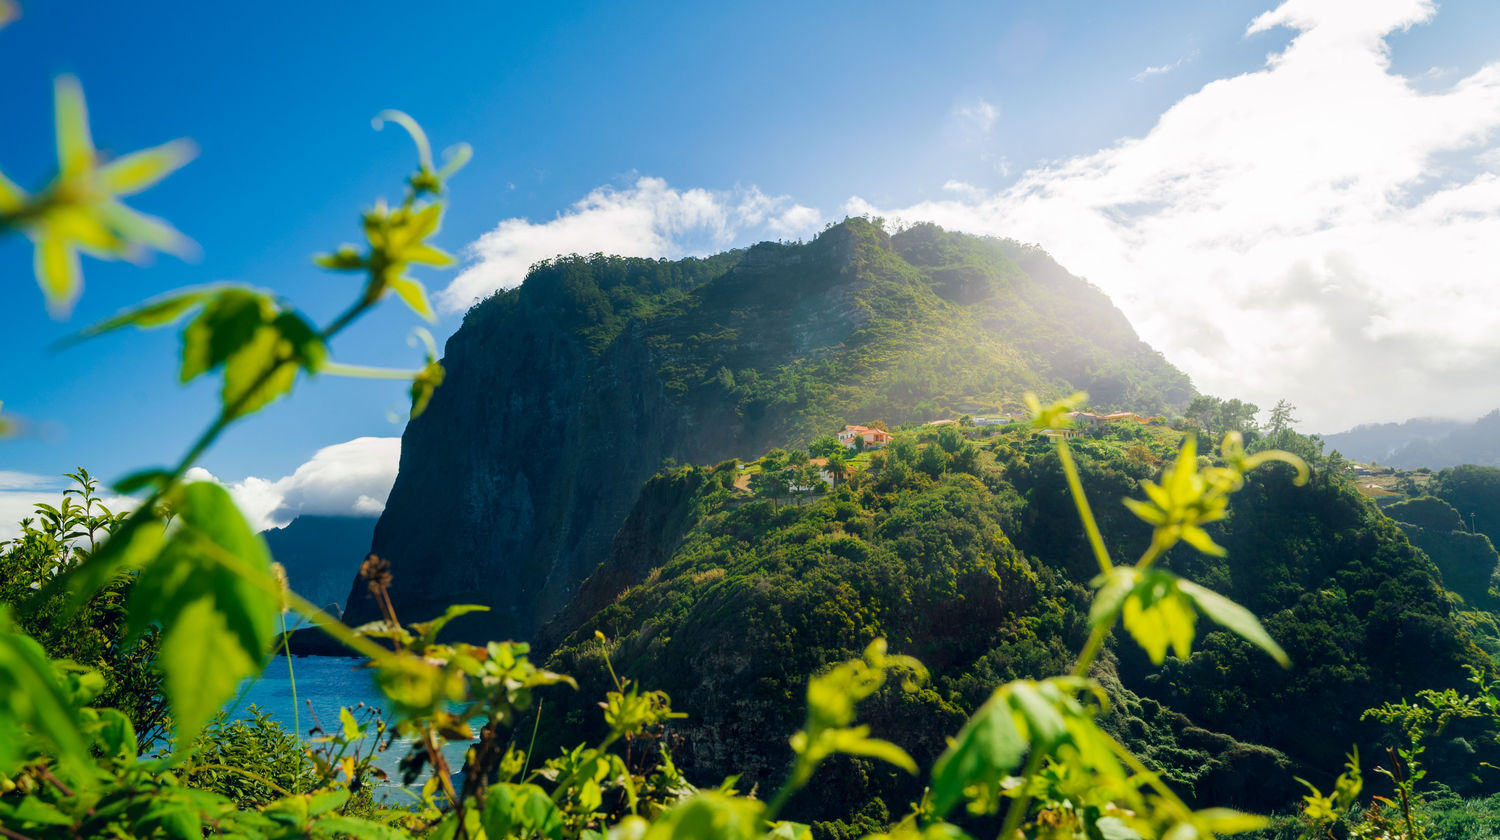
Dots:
{"x": 1318, "y": 229}
{"x": 1321, "y": 229}
{"x": 353, "y": 478}
{"x": 646, "y": 219}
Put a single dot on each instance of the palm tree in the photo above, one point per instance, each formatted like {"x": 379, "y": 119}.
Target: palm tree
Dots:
{"x": 838, "y": 467}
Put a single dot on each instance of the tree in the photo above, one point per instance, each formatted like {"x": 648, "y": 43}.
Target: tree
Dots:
{"x": 1236, "y": 416}
{"x": 838, "y": 467}
{"x": 966, "y": 459}
{"x": 932, "y": 461}
{"x": 769, "y": 484}
{"x": 810, "y": 478}
{"x": 1281, "y": 417}
{"x": 1205, "y": 410}
{"x": 950, "y": 439}
{"x": 824, "y": 445}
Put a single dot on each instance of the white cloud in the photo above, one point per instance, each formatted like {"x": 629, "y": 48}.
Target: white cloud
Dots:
{"x": 979, "y": 118}
{"x": 1164, "y": 68}
{"x": 646, "y": 219}
{"x": 1320, "y": 229}
{"x": 346, "y": 479}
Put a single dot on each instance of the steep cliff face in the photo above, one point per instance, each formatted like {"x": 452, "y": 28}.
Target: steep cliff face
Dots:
{"x": 563, "y": 396}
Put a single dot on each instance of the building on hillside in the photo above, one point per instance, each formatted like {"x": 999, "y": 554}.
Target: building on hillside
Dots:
{"x": 873, "y": 437}
{"x": 1085, "y": 419}
{"x": 1088, "y": 420}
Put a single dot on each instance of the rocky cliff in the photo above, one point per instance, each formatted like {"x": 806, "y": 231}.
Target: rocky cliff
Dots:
{"x": 565, "y": 395}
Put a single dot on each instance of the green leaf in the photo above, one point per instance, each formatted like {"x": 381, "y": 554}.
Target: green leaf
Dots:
{"x": 1228, "y": 821}
{"x": 112, "y": 731}
{"x": 12, "y": 197}
{"x": 1199, "y": 539}
{"x": 75, "y": 147}
{"x": 414, "y": 295}
{"x": 1044, "y": 726}
{"x": 1158, "y": 615}
{"x": 1113, "y": 589}
{"x": 988, "y": 748}
{"x": 855, "y": 742}
{"x": 351, "y": 730}
{"x": 266, "y": 367}
{"x": 1234, "y": 617}
{"x": 129, "y": 547}
{"x": 341, "y": 827}
{"x": 512, "y": 810}
{"x": 790, "y": 831}
{"x": 423, "y": 385}
{"x": 321, "y": 803}
{"x": 427, "y": 631}
{"x": 228, "y": 322}
{"x": 141, "y": 479}
{"x": 33, "y": 810}
{"x": 156, "y": 313}
{"x": 211, "y": 591}
{"x": 428, "y": 255}
{"x": 709, "y": 816}
{"x": 1114, "y": 828}
{"x": 33, "y": 698}
{"x": 58, "y": 273}
{"x": 140, "y": 170}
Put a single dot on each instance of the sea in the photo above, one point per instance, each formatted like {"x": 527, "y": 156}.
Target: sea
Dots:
{"x": 323, "y": 685}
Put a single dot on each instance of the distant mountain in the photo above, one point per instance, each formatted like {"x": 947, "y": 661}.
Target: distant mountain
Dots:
{"x": 320, "y": 554}
{"x": 564, "y": 396}
{"x": 1431, "y": 443}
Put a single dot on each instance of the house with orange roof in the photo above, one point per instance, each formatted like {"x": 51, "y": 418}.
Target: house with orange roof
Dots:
{"x": 873, "y": 437}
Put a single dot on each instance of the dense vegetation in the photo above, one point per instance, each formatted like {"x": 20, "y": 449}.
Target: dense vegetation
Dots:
{"x": 976, "y": 566}
{"x": 938, "y": 542}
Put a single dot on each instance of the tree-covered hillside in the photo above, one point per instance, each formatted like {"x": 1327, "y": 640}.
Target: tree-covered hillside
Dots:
{"x": 564, "y": 395}
{"x": 962, "y": 547}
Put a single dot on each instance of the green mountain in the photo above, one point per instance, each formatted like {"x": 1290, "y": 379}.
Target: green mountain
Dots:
{"x": 319, "y": 554}
{"x": 565, "y": 395}
{"x": 964, "y": 549}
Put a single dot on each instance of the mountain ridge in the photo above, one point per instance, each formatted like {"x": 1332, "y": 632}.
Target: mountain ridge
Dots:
{"x": 564, "y": 396}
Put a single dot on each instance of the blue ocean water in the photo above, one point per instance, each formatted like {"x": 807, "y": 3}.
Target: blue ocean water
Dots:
{"x": 324, "y": 684}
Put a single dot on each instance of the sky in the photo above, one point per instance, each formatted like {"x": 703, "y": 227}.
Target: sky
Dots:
{"x": 1295, "y": 200}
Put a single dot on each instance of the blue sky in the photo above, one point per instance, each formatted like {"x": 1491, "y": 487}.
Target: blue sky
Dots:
{"x": 748, "y": 121}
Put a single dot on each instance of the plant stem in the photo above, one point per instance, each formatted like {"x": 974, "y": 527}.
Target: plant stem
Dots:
{"x": 286, "y": 650}
{"x": 1092, "y": 647}
{"x": 778, "y": 801}
{"x": 1017, "y": 811}
{"x": 535, "y": 725}
{"x": 1096, "y": 540}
